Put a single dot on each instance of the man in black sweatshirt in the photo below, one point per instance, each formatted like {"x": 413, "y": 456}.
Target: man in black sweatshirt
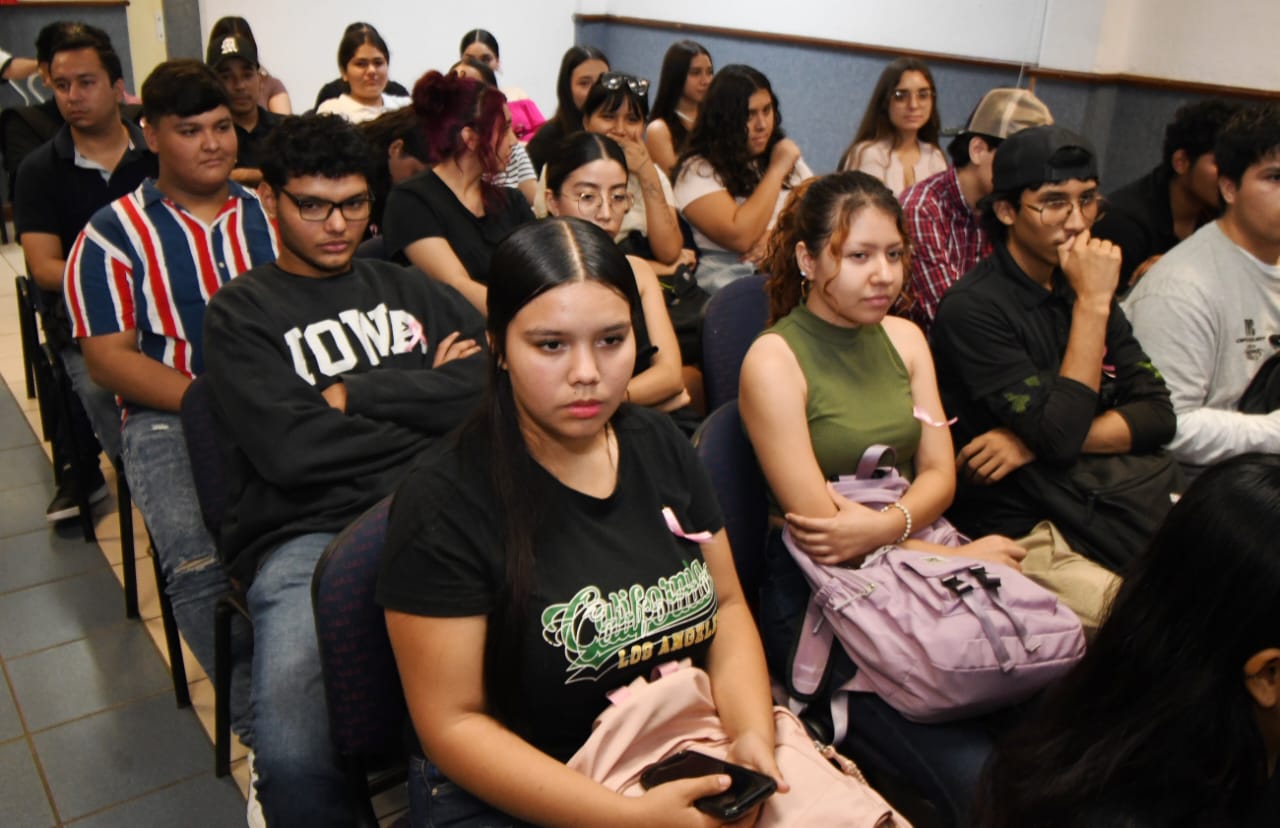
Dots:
{"x": 330, "y": 376}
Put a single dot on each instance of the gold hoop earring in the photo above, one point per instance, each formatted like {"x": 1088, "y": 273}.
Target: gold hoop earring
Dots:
{"x": 805, "y": 285}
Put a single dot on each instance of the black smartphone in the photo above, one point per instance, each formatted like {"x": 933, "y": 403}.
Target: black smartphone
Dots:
{"x": 748, "y": 789}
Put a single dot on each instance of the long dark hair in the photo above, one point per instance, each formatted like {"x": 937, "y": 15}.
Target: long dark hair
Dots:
{"x": 818, "y": 213}
{"x": 568, "y": 117}
{"x": 535, "y": 258}
{"x": 671, "y": 81}
{"x": 875, "y": 119}
{"x": 720, "y": 136}
{"x": 1157, "y": 711}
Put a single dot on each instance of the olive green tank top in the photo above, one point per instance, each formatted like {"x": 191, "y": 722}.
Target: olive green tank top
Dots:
{"x": 859, "y": 392}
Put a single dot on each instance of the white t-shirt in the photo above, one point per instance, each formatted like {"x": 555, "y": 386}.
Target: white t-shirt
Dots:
{"x": 1208, "y": 315}
{"x": 698, "y": 178}
{"x": 877, "y": 158}
{"x": 356, "y": 112}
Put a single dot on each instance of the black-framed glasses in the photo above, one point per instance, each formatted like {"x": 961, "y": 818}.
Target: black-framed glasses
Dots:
{"x": 356, "y": 208}
{"x": 1056, "y": 211}
{"x": 903, "y": 95}
{"x": 589, "y": 202}
{"x": 614, "y": 81}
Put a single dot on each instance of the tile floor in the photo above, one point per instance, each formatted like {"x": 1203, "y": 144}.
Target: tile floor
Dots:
{"x": 90, "y": 735}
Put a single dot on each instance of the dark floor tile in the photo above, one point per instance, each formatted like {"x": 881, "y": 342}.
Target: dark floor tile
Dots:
{"x": 121, "y": 754}
{"x": 43, "y": 556}
{"x": 22, "y": 798}
{"x": 58, "y": 612}
{"x": 15, "y": 431}
{"x": 22, "y": 509}
{"x": 196, "y": 803}
{"x": 24, "y": 466}
{"x": 10, "y": 725}
{"x": 113, "y": 667}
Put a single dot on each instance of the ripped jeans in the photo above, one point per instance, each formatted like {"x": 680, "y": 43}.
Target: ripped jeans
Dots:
{"x": 160, "y": 478}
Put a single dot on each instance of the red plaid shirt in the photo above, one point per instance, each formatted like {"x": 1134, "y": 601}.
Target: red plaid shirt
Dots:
{"x": 946, "y": 239}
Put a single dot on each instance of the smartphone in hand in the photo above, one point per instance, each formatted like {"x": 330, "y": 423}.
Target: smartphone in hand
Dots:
{"x": 748, "y": 789}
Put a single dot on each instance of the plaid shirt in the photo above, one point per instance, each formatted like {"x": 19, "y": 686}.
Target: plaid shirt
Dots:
{"x": 946, "y": 239}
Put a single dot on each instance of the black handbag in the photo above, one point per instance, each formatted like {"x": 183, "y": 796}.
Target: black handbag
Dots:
{"x": 685, "y": 301}
{"x": 1108, "y": 506}
{"x": 1263, "y": 394}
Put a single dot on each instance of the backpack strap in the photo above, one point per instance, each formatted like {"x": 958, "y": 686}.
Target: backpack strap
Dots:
{"x": 873, "y": 458}
{"x": 965, "y": 592}
{"x": 812, "y": 653}
{"x": 991, "y": 584}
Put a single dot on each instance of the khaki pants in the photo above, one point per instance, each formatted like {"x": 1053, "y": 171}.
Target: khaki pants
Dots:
{"x": 1084, "y": 587}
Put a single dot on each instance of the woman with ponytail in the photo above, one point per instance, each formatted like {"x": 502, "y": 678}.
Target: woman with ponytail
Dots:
{"x": 447, "y": 220}
{"x": 833, "y": 376}
{"x": 531, "y": 569}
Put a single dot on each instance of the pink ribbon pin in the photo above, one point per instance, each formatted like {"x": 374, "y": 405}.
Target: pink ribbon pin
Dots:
{"x": 923, "y": 416}
{"x": 417, "y": 338}
{"x": 674, "y": 526}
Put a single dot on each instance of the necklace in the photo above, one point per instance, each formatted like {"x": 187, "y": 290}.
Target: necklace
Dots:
{"x": 688, "y": 119}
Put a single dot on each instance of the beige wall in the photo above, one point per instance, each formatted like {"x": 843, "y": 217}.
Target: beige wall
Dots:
{"x": 146, "y": 40}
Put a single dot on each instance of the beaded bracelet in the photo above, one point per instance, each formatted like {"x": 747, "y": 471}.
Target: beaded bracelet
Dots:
{"x": 906, "y": 513}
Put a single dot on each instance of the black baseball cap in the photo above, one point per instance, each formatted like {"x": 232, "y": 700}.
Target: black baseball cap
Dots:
{"x": 231, "y": 46}
{"x": 1042, "y": 155}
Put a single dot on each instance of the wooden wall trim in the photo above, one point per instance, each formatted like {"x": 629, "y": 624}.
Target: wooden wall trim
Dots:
{"x": 1031, "y": 72}
{"x": 66, "y": 4}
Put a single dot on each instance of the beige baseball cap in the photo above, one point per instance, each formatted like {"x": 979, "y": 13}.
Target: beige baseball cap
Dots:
{"x": 1004, "y": 111}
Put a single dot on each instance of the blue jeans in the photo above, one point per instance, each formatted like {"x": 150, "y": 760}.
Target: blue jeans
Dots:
{"x": 160, "y": 478}
{"x": 98, "y": 402}
{"x": 435, "y": 802}
{"x": 943, "y": 761}
{"x": 300, "y": 779}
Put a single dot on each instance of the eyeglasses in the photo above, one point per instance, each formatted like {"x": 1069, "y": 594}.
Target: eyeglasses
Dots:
{"x": 319, "y": 209}
{"x": 589, "y": 203}
{"x": 904, "y": 95}
{"x": 614, "y": 81}
{"x": 1056, "y": 211}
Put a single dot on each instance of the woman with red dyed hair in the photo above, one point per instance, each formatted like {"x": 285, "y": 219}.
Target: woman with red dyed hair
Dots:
{"x": 448, "y": 220}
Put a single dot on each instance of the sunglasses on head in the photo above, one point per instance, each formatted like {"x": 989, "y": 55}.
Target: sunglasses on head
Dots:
{"x": 614, "y": 81}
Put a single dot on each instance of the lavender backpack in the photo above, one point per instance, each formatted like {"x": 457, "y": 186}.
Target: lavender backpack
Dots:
{"x": 938, "y": 637}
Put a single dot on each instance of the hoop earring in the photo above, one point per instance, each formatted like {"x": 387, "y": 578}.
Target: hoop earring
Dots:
{"x": 805, "y": 285}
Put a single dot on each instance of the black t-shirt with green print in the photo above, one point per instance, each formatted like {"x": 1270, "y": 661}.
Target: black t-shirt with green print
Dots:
{"x": 616, "y": 591}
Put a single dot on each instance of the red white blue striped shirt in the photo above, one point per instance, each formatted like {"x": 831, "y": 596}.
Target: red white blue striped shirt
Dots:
{"x": 144, "y": 263}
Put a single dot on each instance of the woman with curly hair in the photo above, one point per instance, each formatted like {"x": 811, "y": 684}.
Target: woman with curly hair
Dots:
{"x": 735, "y": 174}
{"x": 897, "y": 141}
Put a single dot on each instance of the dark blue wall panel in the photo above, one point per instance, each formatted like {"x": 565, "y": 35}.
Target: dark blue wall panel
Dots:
{"x": 823, "y": 91}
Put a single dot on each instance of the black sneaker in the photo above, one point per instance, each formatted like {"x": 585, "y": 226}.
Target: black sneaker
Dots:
{"x": 64, "y": 505}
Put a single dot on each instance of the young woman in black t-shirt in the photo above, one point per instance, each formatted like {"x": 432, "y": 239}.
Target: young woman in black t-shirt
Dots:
{"x": 531, "y": 569}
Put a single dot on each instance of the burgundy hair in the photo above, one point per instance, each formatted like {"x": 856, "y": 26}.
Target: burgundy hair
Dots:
{"x": 445, "y": 105}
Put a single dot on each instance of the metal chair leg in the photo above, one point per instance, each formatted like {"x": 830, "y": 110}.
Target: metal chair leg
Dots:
{"x": 177, "y": 667}
{"x": 124, "y": 510}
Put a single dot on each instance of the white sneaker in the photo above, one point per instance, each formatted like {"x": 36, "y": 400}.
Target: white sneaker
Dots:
{"x": 253, "y": 810}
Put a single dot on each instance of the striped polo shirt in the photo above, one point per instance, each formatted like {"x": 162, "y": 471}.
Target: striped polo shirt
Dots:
{"x": 144, "y": 263}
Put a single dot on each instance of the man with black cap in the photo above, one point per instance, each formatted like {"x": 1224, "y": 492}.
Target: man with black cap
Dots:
{"x": 235, "y": 61}
{"x": 1041, "y": 368}
{"x": 947, "y": 239}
